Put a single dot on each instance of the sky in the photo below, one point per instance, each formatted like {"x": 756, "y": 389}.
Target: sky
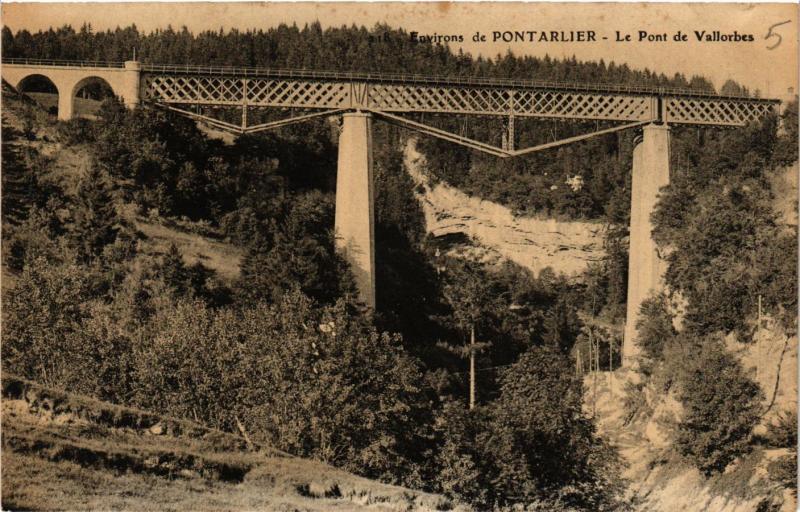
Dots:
{"x": 752, "y": 63}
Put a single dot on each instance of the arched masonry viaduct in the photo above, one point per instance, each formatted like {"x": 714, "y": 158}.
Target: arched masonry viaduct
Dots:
{"x": 69, "y": 79}
{"x": 359, "y": 98}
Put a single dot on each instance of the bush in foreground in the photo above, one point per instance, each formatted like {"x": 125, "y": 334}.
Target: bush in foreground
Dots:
{"x": 317, "y": 382}
{"x": 722, "y": 405}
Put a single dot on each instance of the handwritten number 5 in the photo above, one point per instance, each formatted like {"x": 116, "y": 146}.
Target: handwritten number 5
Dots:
{"x": 771, "y": 34}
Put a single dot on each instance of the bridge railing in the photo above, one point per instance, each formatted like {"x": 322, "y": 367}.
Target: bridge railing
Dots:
{"x": 465, "y": 81}
{"x": 64, "y": 63}
{"x": 431, "y": 80}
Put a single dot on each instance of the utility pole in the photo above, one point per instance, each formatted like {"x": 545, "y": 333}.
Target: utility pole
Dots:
{"x": 758, "y": 338}
{"x": 610, "y": 364}
{"x": 472, "y": 367}
{"x": 594, "y": 374}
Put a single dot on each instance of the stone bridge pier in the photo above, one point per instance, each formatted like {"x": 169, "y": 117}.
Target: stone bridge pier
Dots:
{"x": 360, "y": 97}
{"x": 355, "y": 205}
{"x": 68, "y": 80}
{"x": 646, "y": 269}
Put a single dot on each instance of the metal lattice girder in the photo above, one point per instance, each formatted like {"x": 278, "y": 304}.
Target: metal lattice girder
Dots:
{"x": 449, "y": 99}
{"x": 216, "y": 90}
{"x": 402, "y": 93}
{"x": 298, "y": 93}
{"x": 503, "y": 101}
{"x": 201, "y": 90}
{"x": 262, "y": 92}
{"x": 725, "y": 112}
{"x": 583, "y": 105}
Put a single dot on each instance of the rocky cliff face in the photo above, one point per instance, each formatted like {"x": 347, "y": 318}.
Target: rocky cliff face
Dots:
{"x": 659, "y": 481}
{"x": 565, "y": 247}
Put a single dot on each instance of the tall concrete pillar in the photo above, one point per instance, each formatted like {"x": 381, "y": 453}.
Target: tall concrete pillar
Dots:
{"x": 130, "y": 92}
{"x": 355, "y": 225}
{"x": 65, "y": 103}
{"x": 645, "y": 268}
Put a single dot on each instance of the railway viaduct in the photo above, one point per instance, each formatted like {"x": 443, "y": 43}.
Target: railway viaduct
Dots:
{"x": 196, "y": 91}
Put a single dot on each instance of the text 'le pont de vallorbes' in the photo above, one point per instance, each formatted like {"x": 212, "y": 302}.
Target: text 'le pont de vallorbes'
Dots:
{"x": 579, "y": 36}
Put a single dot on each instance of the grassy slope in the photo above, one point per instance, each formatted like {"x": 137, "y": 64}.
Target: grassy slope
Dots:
{"x": 68, "y": 166}
{"x": 65, "y": 451}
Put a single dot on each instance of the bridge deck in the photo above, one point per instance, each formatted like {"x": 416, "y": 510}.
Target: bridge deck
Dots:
{"x": 397, "y": 78}
{"x": 245, "y": 88}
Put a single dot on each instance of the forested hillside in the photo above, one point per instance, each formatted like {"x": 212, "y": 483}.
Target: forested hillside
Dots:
{"x": 354, "y": 48}
{"x": 283, "y": 350}
{"x": 535, "y": 184}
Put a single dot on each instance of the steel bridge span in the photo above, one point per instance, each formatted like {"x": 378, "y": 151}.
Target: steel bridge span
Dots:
{"x": 359, "y": 98}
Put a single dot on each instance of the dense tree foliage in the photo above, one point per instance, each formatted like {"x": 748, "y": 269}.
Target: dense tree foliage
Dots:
{"x": 299, "y": 253}
{"x": 655, "y": 327}
{"x": 541, "y": 439}
{"x": 532, "y": 445}
{"x": 720, "y": 411}
{"x": 537, "y": 183}
{"x": 721, "y": 235}
{"x": 288, "y": 352}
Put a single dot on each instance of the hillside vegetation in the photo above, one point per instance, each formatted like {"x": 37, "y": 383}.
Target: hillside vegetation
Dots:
{"x": 106, "y": 300}
{"x": 159, "y": 269}
{"x": 68, "y": 452}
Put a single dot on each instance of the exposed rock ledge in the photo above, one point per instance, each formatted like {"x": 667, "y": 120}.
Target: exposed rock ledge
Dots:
{"x": 566, "y": 247}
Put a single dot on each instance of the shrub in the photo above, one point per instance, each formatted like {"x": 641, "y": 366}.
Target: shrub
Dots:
{"x": 654, "y": 326}
{"x": 786, "y": 146}
{"x": 722, "y": 405}
{"x": 783, "y": 470}
{"x": 463, "y": 468}
{"x": 41, "y": 312}
{"x": 543, "y": 446}
{"x": 783, "y": 432}
{"x": 76, "y": 131}
{"x": 28, "y": 117}
{"x": 36, "y": 237}
{"x": 635, "y": 402}
{"x": 101, "y": 357}
{"x": 316, "y": 382}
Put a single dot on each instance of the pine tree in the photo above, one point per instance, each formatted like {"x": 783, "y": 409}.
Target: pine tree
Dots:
{"x": 96, "y": 222}
{"x": 173, "y": 270}
{"x": 466, "y": 292}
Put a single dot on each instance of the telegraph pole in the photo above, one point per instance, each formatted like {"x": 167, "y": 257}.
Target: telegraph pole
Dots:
{"x": 472, "y": 367}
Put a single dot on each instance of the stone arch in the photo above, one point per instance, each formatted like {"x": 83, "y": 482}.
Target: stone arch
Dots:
{"x": 37, "y": 86}
{"x": 97, "y": 84}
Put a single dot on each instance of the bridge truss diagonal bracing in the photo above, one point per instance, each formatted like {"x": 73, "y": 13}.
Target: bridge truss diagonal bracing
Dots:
{"x": 392, "y": 98}
{"x": 201, "y": 92}
{"x": 216, "y": 96}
